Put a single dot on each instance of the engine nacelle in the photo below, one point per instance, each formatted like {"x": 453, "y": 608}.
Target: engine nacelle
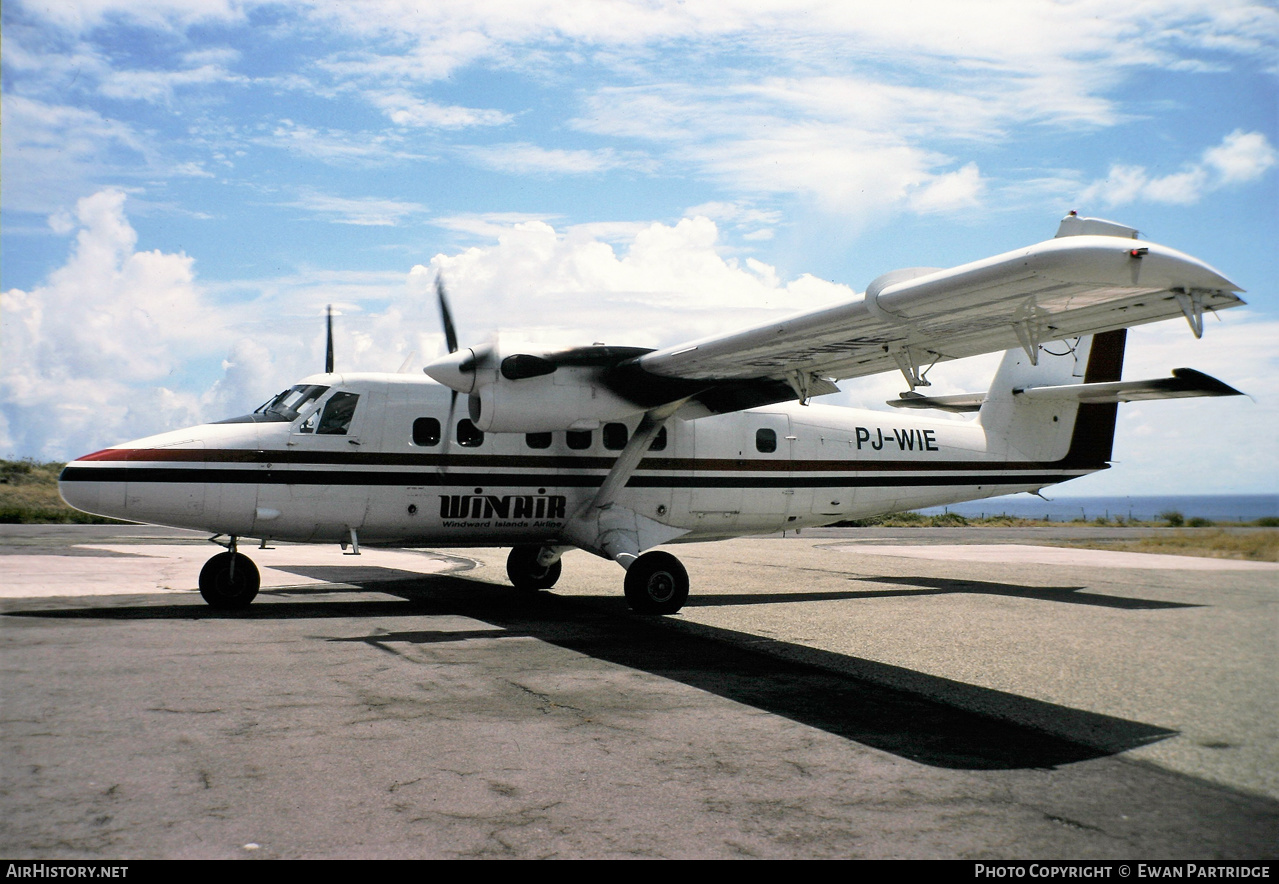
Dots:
{"x": 568, "y": 399}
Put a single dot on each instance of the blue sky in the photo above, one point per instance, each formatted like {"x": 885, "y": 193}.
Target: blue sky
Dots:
{"x": 186, "y": 184}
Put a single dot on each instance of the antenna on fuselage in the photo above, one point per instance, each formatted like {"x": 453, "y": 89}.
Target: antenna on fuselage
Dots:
{"x": 328, "y": 351}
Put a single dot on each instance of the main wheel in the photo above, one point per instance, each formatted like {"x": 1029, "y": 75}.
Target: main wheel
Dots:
{"x": 525, "y": 573}
{"x": 656, "y": 583}
{"x": 226, "y": 588}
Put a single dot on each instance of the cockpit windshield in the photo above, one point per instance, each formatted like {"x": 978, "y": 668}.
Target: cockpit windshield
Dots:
{"x": 292, "y": 402}
{"x": 283, "y": 407}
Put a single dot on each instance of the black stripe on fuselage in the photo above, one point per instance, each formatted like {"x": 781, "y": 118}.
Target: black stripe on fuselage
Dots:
{"x": 171, "y": 475}
{"x": 543, "y": 462}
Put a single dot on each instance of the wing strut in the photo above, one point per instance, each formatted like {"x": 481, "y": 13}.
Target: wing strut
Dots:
{"x": 909, "y": 366}
{"x": 612, "y": 531}
{"x": 802, "y": 383}
{"x": 1028, "y": 336}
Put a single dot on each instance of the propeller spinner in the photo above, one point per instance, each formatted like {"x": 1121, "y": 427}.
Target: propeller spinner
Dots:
{"x": 456, "y": 370}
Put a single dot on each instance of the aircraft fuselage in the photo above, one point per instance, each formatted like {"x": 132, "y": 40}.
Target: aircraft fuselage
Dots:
{"x": 402, "y": 474}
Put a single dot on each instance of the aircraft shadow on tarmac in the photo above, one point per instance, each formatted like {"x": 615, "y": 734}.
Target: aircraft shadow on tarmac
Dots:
{"x": 1071, "y": 595}
{"x": 908, "y": 713}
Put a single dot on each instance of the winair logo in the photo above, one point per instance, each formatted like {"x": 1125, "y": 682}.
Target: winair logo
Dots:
{"x": 502, "y": 511}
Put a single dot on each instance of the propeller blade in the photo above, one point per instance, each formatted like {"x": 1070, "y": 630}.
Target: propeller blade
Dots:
{"x": 328, "y": 352}
{"x": 446, "y": 315}
{"x": 448, "y": 431}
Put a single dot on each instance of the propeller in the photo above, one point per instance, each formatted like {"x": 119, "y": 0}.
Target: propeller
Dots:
{"x": 446, "y": 315}
{"x": 450, "y": 341}
{"x": 457, "y": 369}
{"x": 465, "y": 367}
{"x": 328, "y": 350}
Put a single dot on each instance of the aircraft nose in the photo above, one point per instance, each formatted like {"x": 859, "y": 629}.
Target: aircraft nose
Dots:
{"x": 91, "y": 486}
{"x": 79, "y": 495}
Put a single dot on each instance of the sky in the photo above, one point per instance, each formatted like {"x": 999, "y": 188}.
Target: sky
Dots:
{"x": 185, "y": 184}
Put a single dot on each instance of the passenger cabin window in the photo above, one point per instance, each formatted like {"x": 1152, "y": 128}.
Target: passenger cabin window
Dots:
{"x": 338, "y": 411}
{"x": 765, "y": 441}
{"x": 615, "y": 436}
{"x": 537, "y": 440}
{"x": 468, "y": 435}
{"x": 578, "y": 439}
{"x": 659, "y": 444}
{"x": 426, "y": 431}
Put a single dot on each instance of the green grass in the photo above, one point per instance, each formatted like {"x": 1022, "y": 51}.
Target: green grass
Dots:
{"x": 29, "y": 495}
{"x": 1260, "y": 545}
{"x": 1193, "y": 538}
{"x": 951, "y": 520}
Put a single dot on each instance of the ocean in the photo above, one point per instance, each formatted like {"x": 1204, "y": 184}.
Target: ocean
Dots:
{"x": 1059, "y": 508}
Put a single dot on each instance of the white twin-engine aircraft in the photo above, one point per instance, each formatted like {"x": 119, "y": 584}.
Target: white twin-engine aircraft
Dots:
{"x": 616, "y": 450}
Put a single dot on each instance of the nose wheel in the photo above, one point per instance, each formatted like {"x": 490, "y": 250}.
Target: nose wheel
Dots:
{"x": 526, "y": 574}
{"x": 229, "y": 581}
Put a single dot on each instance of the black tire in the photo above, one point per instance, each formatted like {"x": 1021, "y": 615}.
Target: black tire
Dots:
{"x": 224, "y": 592}
{"x": 656, "y": 583}
{"x": 526, "y": 574}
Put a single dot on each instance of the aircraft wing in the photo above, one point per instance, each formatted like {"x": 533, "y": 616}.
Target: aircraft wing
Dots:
{"x": 1093, "y": 276}
{"x": 1071, "y": 285}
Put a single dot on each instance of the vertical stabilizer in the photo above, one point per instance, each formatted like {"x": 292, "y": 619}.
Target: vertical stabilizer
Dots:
{"x": 1057, "y": 431}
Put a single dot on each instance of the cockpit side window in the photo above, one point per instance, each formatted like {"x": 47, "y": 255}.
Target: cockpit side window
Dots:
{"x": 338, "y": 411}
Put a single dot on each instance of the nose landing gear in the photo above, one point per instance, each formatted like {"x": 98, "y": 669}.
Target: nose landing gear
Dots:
{"x": 525, "y": 573}
{"x": 229, "y": 581}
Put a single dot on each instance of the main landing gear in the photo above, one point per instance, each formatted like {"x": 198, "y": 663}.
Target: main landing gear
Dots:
{"x": 656, "y": 582}
{"x": 229, "y": 581}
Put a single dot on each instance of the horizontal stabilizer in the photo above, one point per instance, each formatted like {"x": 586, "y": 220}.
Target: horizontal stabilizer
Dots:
{"x": 1184, "y": 383}
{"x": 959, "y": 404}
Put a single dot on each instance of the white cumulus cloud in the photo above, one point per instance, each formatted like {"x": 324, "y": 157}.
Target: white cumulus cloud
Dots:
{"x": 115, "y": 344}
{"x": 95, "y": 348}
{"x": 405, "y": 110}
{"x": 1241, "y": 157}
{"x": 659, "y": 285}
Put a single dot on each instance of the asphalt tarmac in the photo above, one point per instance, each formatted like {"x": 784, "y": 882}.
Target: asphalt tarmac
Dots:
{"x": 944, "y": 693}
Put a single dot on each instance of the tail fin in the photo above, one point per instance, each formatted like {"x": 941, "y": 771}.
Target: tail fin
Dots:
{"x": 1060, "y": 431}
{"x": 1092, "y": 442}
